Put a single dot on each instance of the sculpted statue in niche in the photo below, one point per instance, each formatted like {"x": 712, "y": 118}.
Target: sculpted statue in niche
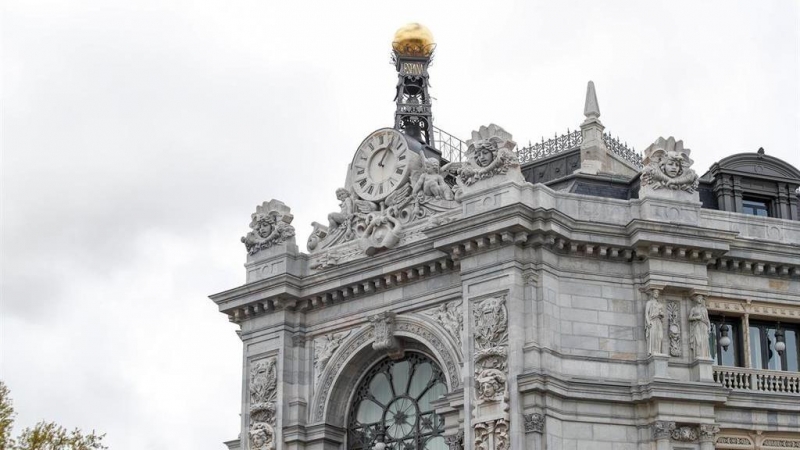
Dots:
{"x": 430, "y": 183}
{"x": 489, "y": 153}
{"x": 654, "y": 322}
{"x": 668, "y": 165}
{"x": 699, "y": 326}
{"x": 270, "y": 225}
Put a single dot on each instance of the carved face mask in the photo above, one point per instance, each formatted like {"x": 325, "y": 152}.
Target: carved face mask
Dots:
{"x": 484, "y": 157}
{"x": 672, "y": 167}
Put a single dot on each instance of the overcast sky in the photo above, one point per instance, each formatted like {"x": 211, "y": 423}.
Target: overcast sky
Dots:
{"x": 139, "y": 136}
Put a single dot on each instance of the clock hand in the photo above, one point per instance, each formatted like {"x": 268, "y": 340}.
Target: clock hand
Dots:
{"x": 384, "y": 157}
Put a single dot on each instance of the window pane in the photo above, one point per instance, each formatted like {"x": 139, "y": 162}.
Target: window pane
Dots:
{"x": 712, "y": 342}
{"x": 369, "y": 412}
{"x": 400, "y": 377}
{"x": 755, "y": 207}
{"x": 756, "y": 361}
{"x": 774, "y": 362}
{"x": 791, "y": 350}
{"x": 379, "y": 388}
{"x": 420, "y": 380}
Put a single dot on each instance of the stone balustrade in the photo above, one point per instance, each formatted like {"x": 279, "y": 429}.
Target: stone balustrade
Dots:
{"x": 738, "y": 378}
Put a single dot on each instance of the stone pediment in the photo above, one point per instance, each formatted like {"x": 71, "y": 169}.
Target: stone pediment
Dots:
{"x": 757, "y": 165}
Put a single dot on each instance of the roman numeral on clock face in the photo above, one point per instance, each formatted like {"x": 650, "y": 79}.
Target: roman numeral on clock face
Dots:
{"x": 362, "y": 182}
{"x": 371, "y": 188}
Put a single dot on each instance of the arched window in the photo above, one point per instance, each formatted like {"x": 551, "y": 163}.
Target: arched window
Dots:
{"x": 393, "y": 403}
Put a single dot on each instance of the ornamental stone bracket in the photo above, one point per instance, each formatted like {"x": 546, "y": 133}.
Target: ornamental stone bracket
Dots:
{"x": 703, "y": 433}
{"x": 385, "y": 340}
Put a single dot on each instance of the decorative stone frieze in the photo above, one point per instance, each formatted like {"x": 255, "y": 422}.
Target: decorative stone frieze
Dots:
{"x": 449, "y": 317}
{"x": 735, "y": 441}
{"x": 668, "y": 165}
{"x": 263, "y": 399}
{"x": 780, "y": 443}
{"x": 385, "y": 339}
{"x": 674, "y": 328}
{"x": 492, "y": 435}
{"x": 654, "y": 322}
{"x": 270, "y": 225}
{"x": 491, "y": 349}
{"x": 662, "y": 429}
{"x": 699, "y": 326}
{"x": 324, "y": 347}
{"x": 534, "y": 423}
{"x": 684, "y": 434}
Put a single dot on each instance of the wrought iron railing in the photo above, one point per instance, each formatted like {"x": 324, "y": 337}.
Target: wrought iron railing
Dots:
{"x": 621, "y": 149}
{"x": 550, "y": 147}
{"x": 452, "y": 148}
{"x": 741, "y": 379}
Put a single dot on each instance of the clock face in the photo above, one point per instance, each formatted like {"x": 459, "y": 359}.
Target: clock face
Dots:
{"x": 381, "y": 164}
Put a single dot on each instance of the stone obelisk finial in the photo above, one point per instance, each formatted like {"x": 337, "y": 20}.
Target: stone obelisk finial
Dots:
{"x": 591, "y": 108}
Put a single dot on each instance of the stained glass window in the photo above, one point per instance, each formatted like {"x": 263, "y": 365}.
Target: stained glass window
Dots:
{"x": 394, "y": 401}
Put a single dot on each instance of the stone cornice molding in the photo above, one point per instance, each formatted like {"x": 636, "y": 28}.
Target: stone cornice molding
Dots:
{"x": 738, "y": 307}
{"x": 620, "y": 391}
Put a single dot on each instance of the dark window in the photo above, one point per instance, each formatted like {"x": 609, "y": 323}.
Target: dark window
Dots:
{"x": 763, "y": 354}
{"x": 394, "y": 399}
{"x": 755, "y": 207}
{"x": 733, "y": 355}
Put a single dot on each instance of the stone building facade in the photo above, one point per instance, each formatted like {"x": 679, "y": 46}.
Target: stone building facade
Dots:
{"x": 571, "y": 294}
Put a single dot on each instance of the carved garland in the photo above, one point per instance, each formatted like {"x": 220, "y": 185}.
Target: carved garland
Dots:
{"x": 674, "y": 328}
{"x": 263, "y": 399}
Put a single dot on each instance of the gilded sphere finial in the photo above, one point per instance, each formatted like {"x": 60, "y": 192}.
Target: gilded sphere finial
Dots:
{"x": 413, "y": 39}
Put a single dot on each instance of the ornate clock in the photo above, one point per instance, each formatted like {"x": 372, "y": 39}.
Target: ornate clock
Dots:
{"x": 381, "y": 164}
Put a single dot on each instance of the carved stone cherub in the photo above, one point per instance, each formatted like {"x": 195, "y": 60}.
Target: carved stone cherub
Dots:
{"x": 491, "y": 384}
{"x": 430, "y": 183}
{"x": 347, "y": 209}
{"x": 668, "y": 165}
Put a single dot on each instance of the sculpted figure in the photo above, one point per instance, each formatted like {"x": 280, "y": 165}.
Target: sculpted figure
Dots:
{"x": 699, "y": 326}
{"x": 270, "y": 225}
{"x": 430, "y": 183}
{"x": 668, "y": 165}
{"x": 654, "y": 318}
{"x": 347, "y": 209}
{"x": 491, "y": 384}
{"x": 489, "y": 153}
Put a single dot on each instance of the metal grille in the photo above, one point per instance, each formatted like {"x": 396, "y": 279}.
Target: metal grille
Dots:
{"x": 550, "y": 147}
{"x": 452, "y": 148}
{"x": 393, "y": 404}
{"x": 621, "y": 149}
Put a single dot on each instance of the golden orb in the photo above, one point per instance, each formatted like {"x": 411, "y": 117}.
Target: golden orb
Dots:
{"x": 413, "y": 39}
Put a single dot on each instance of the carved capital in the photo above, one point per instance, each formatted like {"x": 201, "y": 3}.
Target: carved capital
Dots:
{"x": 708, "y": 431}
{"x": 455, "y": 441}
{"x": 662, "y": 429}
{"x": 534, "y": 423}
